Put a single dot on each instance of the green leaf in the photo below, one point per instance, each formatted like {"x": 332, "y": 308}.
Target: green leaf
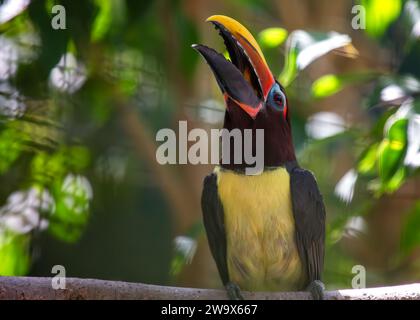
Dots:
{"x": 48, "y": 168}
{"x": 326, "y": 86}
{"x": 303, "y": 48}
{"x": 380, "y": 14}
{"x": 290, "y": 69}
{"x": 111, "y": 13}
{"x": 391, "y": 152}
{"x": 367, "y": 160}
{"x": 14, "y": 254}
{"x": 10, "y": 148}
{"x": 410, "y": 235}
{"x": 72, "y": 197}
{"x": 330, "y": 84}
{"x": 272, "y": 37}
{"x": 103, "y": 20}
{"x": 396, "y": 180}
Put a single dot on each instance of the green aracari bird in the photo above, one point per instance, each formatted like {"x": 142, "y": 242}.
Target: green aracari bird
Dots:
{"x": 266, "y": 232}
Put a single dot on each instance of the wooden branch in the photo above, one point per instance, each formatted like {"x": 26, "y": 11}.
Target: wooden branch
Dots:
{"x": 32, "y": 288}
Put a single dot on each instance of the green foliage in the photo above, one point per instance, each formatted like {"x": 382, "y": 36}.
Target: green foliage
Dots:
{"x": 304, "y": 47}
{"x": 380, "y": 14}
{"x": 326, "y": 86}
{"x": 47, "y": 168}
{"x": 110, "y": 15}
{"x": 71, "y": 213}
{"x": 272, "y": 37}
{"x": 10, "y": 148}
{"x": 127, "y": 52}
{"x": 367, "y": 161}
{"x": 331, "y": 84}
{"x": 14, "y": 254}
{"x": 391, "y": 153}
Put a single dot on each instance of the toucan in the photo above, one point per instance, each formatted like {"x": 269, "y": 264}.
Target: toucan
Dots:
{"x": 266, "y": 231}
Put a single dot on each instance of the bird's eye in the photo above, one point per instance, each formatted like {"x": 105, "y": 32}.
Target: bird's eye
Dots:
{"x": 277, "y": 99}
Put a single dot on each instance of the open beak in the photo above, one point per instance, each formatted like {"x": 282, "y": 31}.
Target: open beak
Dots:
{"x": 246, "y": 80}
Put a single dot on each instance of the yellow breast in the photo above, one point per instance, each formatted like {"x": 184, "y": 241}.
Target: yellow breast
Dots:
{"x": 260, "y": 230}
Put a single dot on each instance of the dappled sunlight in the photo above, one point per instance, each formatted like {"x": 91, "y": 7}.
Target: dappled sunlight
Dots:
{"x": 11, "y": 102}
{"x": 412, "y": 157}
{"x": 322, "y": 125}
{"x": 8, "y": 58}
{"x": 69, "y": 75}
{"x": 77, "y": 193}
{"x": 11, "y": 8}
{"x": 345, "y": 187}
{"x": 355, "y": 227}
{"x": 25, "y": 211}
{"x": 392, "y": 92}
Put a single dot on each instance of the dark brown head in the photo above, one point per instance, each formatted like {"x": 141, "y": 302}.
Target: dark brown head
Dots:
{"x": 254, "y": 99}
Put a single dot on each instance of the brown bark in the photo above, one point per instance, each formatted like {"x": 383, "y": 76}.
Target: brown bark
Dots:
{"x": 32, "y": 288}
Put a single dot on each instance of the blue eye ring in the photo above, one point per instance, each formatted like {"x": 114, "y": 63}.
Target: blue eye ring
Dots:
{"x": 277, "y": 98}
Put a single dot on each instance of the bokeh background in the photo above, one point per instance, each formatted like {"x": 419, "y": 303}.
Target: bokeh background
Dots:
{"x": 80, "y": 107}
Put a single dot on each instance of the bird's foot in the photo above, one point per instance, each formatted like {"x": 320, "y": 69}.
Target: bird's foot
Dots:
{"x": 233, "y": 291}
{"x": 317, "y": 290}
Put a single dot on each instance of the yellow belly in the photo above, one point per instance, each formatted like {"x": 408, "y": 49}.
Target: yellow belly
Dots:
{"x": 260, "y": 230}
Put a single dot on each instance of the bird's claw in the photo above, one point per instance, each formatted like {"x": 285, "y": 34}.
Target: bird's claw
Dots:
{"x": 317, "y": 290}
{"x": 233, "y": 291}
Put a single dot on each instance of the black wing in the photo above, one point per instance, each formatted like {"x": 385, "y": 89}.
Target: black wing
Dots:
{"x": 214, "y": 222}
{"x": 309, "y": 214}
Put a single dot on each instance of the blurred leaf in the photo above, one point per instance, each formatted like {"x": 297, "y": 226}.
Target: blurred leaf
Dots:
{"x": 14, "y": 254}
{"x": 10, "y": 148}
{"x": 185, "y": 247}
{"x": 391, "y": 152}
{"x": 323, "y": 125}
{"x": 380, "y": 14}
{"x": 78, "y": 158}
{"x": 32, "y": 78}
{"x": 330, "y": 84}
{"x": 367, "y": 162}
{"x": 410, "y": 235}
{"x": 103, "y": 19}
{"x": 411, "y": 17}
{"x": 303, "y": 48}
{"x": 344, "y": 188}
{"x": 272, "y": 37}
{"x": 111, "y": 13}
{"x": 389, "y": 91}
{"x": 72, "y": 197}
{"x": 290, "y": 69}
{"x": 396, "y": 181}
{"x": 412, "y": 157}
{"x": 326, "y": 86}
{"x": 47, "y": 168}
{"x": 126, "y": 72}
{"x": 9, "y": 9}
